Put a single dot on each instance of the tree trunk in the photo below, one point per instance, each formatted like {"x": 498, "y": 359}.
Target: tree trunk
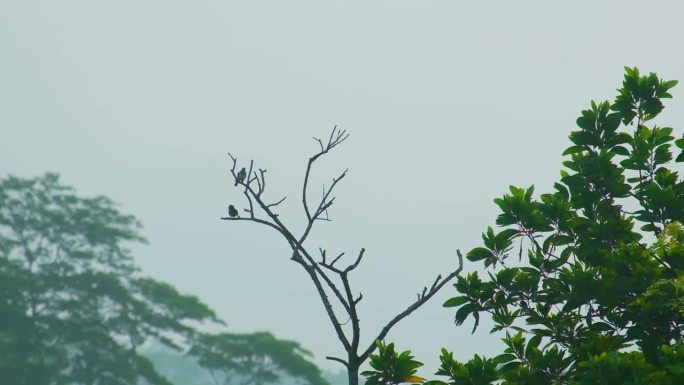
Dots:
{"x": 353, "y": 373}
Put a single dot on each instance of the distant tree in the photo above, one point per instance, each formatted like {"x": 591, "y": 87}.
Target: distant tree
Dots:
{"x": 73, "y": 306}
{"x": 74, "y": 309}
{"x": 254, "y": 359}
{"x": 327, "y": 276}
{"x": 594, "y": 291}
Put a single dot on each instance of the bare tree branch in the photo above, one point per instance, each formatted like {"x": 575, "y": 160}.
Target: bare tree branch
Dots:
{"x": 337, "y": 325}
{"x": 325, "y": 203}
{"x": 413, "y": 307}
{"x": 311, "y": 267}
{"x": 323, "y": 272}
{"x": 277, "y": 203}
{"x": 262, "y": 185}
{"x": 336, "y": 259}
{"x": 331, "y": 358}
{"x": 249, "y": 174}
{"x": 356, "y": 263}
{"x": 251, "y": 205}
{"x": 336, "y": 137}
{"x": 257, "y": 220}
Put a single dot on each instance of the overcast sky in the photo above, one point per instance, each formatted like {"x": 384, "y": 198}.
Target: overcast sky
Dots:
{"x": 447, "y": 104}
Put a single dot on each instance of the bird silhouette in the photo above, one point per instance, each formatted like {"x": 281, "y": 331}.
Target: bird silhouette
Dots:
{"x": 232, "y": 211}
{"x": 241, "y": 176}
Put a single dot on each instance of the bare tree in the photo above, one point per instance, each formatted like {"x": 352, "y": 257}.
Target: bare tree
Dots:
{"x": 325, "y": 273}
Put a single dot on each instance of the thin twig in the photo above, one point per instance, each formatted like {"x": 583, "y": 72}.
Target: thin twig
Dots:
{"x": 336, "y": 259}
{"x": 343, "y": 362}
{"x": 277, "y": 203}
{"x": 412, "y": 308}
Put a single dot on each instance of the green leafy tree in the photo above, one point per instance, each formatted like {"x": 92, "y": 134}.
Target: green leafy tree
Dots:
{"x": 477, "y": 371}
{"x": 586, "y": 282}
{"x": 391, "y": 368}
{"x": 74, "y": 309}
{"x": 73, "y": 306}
{"x": 254, "y": 359}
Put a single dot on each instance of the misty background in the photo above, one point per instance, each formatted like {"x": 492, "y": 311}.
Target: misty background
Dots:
{"x": 447, "y": 104}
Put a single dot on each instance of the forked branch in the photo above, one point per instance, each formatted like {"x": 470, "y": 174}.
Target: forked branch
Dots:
{"x": 327, "y": 275}
{"x": 336, "y": 138}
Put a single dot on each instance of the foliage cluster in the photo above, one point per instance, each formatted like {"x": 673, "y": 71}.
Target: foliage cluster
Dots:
{"x": 390, "y": 367}
{"x": 74, "y": 309}
{"x": 586, "y": 283}
{"x": 255, "y": 358}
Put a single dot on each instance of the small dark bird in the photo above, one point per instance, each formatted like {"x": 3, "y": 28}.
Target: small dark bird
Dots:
{"x": 241, "y": 176}
{"x": 232, "y": 211}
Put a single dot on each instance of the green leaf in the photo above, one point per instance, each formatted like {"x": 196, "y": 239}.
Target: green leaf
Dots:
{"x": 670, "y": 84}
{"x": 479, "y": 253}
{"x": 620, "y": 150}
{"x": 573, "y": 150}
{"x": 455, "y": 301}
{"x": 503, "y": 358}
{"x": 463, "y": 312}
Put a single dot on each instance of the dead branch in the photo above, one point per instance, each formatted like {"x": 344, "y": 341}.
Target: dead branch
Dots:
{"x": 277, "y": 203}
{"x": 343, "y": 362}
{"x": 336, "y": 138}
{"x": 418, "y": 303}
{"x": 326, "y": 276}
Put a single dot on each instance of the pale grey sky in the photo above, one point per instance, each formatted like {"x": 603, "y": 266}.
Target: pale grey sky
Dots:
{"x": 447, "y": 104}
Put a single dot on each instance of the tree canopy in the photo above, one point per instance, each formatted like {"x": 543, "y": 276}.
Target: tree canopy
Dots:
{"x": 585, "y": 283}
{"x": 254, "y": 359}
{"x": 75, "y": 309}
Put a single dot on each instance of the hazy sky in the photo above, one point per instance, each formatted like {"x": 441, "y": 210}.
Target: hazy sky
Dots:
{"x": 447, "y": 104}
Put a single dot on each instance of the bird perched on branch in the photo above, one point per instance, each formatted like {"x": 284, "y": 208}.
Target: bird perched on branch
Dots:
{"x": 232, "y": 211}
{"x": 241, "y": 176}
